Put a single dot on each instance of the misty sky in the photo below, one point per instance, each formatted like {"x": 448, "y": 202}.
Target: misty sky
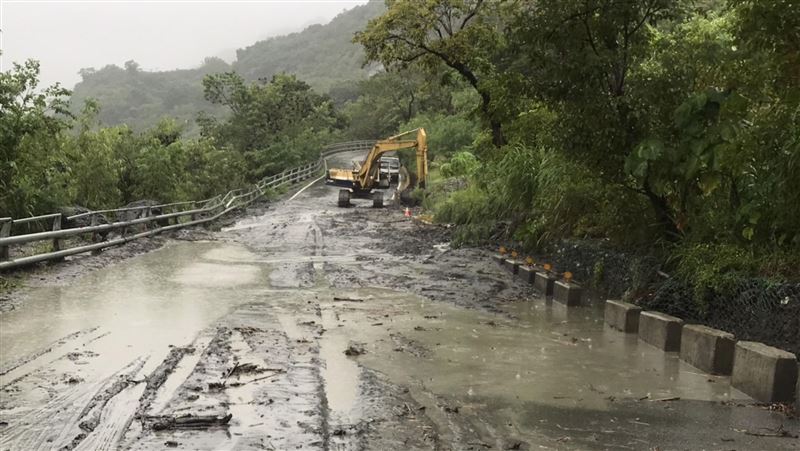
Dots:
{"x": 158, "y": 34}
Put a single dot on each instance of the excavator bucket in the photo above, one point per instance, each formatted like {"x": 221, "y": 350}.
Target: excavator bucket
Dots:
{"x": 405, "y": 189}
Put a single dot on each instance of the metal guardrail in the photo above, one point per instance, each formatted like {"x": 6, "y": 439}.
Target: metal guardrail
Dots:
{"x": 198, "y": 212}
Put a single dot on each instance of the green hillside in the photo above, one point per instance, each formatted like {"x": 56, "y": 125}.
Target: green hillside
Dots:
{"x": 140, "y": 99}
{"x": 322, "y": 55}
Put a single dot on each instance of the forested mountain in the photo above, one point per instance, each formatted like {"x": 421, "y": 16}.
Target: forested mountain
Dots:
{"x": 140, "y": 99}
{"x": 321, "y": 55}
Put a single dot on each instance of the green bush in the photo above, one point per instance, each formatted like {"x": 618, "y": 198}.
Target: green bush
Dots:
{"x": 461, "y": 164}
{"x": 447, "y": 134}
{"x": 470, "y": 210}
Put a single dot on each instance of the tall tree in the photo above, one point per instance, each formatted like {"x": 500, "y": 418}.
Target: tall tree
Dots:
{"x": 578, "y": 57}
{"x": 31, "y": 124}
{"x": 273, "y": 124}
{"x": 464, "y": 35}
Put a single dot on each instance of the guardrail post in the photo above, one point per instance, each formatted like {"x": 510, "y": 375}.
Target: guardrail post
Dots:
{"x": 57, "y": 242}
{"x": 5, "y": 231}
{"x": 194, "y": 215}
{"x": 93, "y": 222}
{"x": 95, "y": 235}
{"x": 143, "y": 214}
{"x": 146, "y": 212}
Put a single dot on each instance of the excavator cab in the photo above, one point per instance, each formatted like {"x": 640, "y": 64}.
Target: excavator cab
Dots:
{"x": 366, "y": 179}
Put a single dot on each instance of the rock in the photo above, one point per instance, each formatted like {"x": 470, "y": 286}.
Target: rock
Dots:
{"x": 136, "y": 214}
{"x": 83, "y": 221}
{"x": 354, "y": 349}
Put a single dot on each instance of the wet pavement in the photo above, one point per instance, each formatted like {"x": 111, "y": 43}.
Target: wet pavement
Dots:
{"x": 248, "y": 334}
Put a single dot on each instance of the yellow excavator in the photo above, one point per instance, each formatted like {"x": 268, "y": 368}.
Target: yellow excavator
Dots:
{"x": 365, "y": 179}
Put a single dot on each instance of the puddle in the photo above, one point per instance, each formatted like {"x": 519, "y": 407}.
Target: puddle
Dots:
{"x": 340, "y": 372}
{"x": 551, "y": 356}
{"x": 144, "y": 304}
{"x": 215, "y": 275}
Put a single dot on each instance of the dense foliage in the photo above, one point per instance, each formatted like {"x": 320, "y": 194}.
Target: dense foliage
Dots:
{"x": 273, "y": 125}
{"x": 140, "y": 99}
{"x": 51, "y": 158}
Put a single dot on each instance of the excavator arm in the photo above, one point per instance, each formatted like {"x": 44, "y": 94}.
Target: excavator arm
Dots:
{"x": 368, "y": 171}
{"x": 361, "y": 180}
{"x": 365, "y": 176}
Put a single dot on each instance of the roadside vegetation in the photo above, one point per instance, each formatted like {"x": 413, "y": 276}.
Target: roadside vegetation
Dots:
{"x": 52, "y": 158}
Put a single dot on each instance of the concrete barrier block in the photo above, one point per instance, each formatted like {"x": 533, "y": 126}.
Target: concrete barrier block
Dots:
{"x": 767, "y": 374}
{"x": 527, "y": 273}
{"x": 512, "y": 265}
{"x": 567, "y": 293}
{"x": 499, "y": 259}
{"x": 708, "y": 349}
{"x": 623, "y": 316}
{"x": 797, "y": 391}
{"x": 544, "y": 282}
{"x": 661, "y": 330}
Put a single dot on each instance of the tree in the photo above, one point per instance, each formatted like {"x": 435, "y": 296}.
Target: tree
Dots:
{"x": 267, "y": 119}
{"x": 464, "y": 35}
{"x": 390, "y": 98}
{"x": 578, "y": 57}
{"x": 132, "y": 67}
{"x": 32, "y": 166}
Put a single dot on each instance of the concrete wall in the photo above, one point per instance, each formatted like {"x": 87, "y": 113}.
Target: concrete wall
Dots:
{"x": 622, "y": 316}
{"x": 567, "y": 293}
{"x": 708, "y": 349}
{"x": 767, "y": 374}
{"x": 660, "y": 330}
{"x": 527, "y": 274}
{"x": 512, "y": 265}
{"x": 544, "y": 283}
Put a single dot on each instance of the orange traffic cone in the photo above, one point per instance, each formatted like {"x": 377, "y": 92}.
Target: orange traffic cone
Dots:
{"x": 407, "y": 213}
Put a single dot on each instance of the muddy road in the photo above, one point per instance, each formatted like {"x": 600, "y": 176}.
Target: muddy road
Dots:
{"x": 307, "y": 326}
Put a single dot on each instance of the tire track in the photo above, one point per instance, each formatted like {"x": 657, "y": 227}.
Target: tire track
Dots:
{"x": 58, "y": 423}
{"x": 22, "y": 367}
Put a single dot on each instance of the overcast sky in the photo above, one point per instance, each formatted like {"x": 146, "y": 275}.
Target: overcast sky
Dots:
{"x": 158, "y": 34}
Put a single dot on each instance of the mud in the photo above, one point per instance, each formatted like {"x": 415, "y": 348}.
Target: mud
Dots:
{"x": 305, "y": 326}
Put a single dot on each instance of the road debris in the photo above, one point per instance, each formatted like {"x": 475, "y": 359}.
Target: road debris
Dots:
{"x": 188, "y": 421}
{"x": 780, "y": 432}
{"x": 338, "y": 299}
{"x": 354, "y": 349}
